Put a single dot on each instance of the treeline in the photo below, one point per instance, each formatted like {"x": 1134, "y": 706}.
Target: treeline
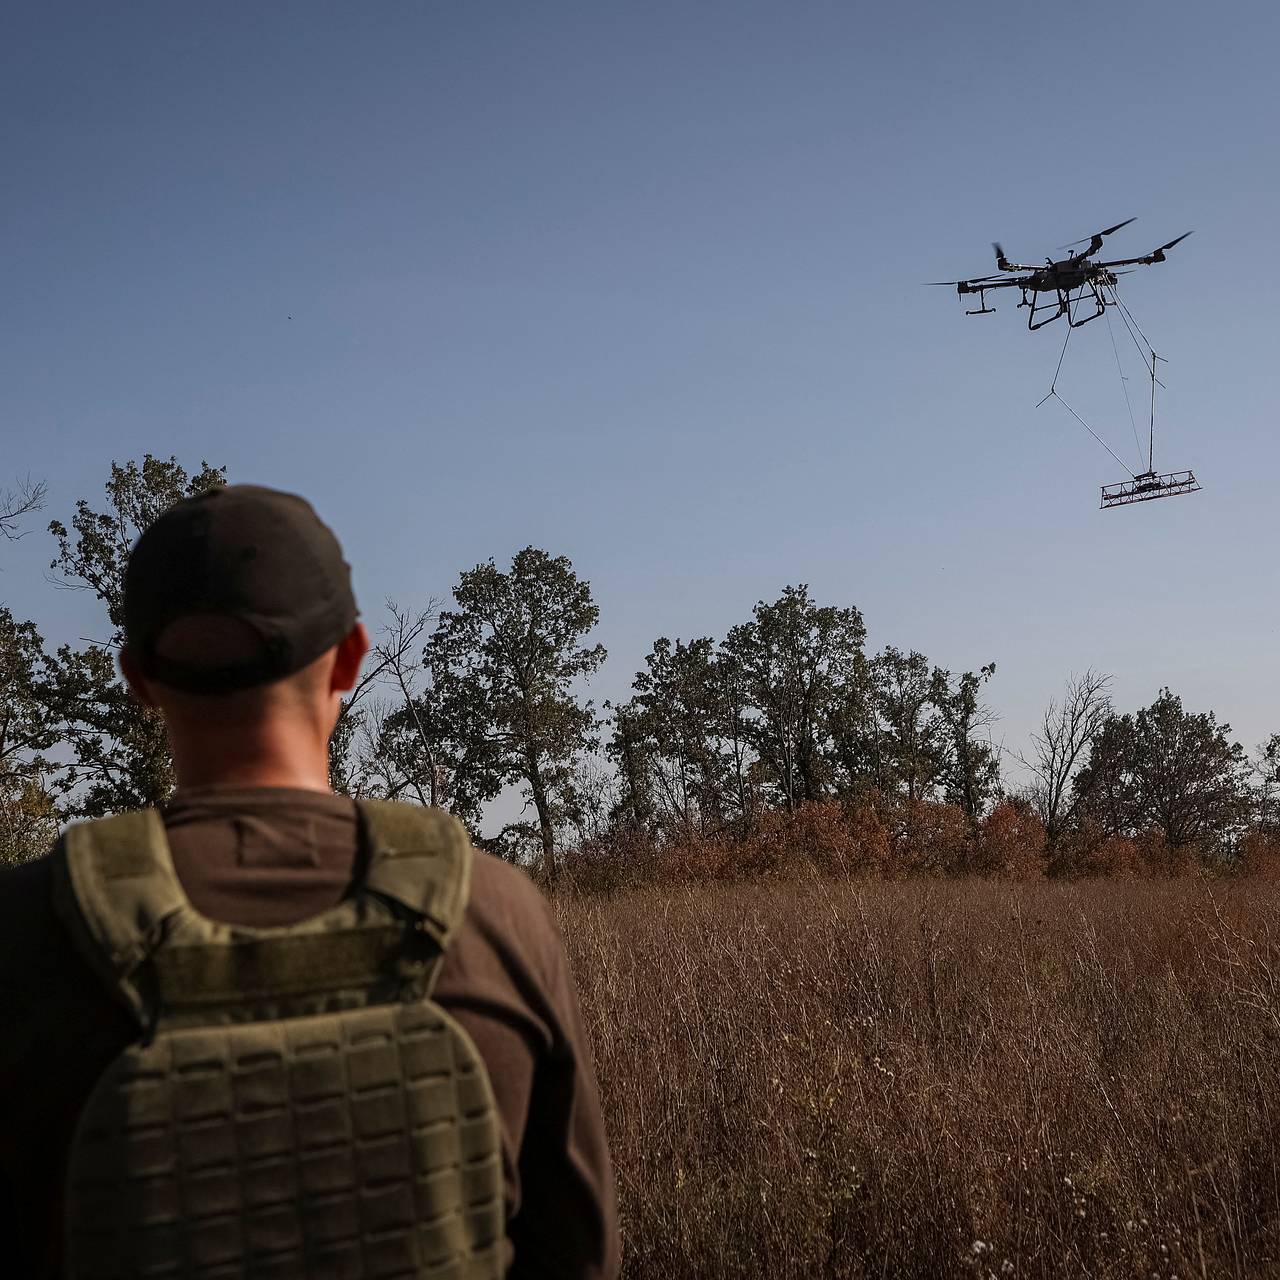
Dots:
{"x": 783, "y": 739}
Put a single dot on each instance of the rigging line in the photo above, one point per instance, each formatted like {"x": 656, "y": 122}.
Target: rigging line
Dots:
{"x": 1089, "y": 429}
{"x": 1125, "y": 310}
{"x": 1129, "y": 328}
{"x": 1124, "y": 383}
{"x": 1131, "y": 324}
{"x": 1062, "y": 355}
{"x": 1127, "y": 316}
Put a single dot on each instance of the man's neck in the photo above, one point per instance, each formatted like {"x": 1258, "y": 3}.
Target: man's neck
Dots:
{"x": 288, "y": 755}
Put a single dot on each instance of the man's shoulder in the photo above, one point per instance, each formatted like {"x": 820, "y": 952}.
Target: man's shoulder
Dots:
{"x": 507, "y": 889}
{"x": 25, "y": 891}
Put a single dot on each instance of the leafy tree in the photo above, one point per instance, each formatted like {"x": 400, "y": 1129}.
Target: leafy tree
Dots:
{"x": 120, "y": 758}
{"x": 1266, "y": 788}
{"x": 1170, "y": 770}
{"x": 632, "y": 759}
{"x": 857, "y": 746}
{"x": 671, "y": 722}
{"x": 792, "y": 662}
{"x": 504, "y": 664}
{"x": 913, "y": 740}
{"x": 27, "y": 823}
{"x": 970, "y": 769}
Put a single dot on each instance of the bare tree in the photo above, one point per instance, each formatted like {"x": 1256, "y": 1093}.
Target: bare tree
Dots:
{"x": 362, "y": 748}
{"x": 24, "y": 499}
{"x": 1061, "y": 747}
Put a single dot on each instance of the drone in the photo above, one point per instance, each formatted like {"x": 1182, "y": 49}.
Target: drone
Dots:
{"x": 1075, "y": 286}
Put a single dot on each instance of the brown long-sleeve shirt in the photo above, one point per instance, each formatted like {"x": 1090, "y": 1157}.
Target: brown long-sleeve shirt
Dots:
{"x": 272, "y": 856}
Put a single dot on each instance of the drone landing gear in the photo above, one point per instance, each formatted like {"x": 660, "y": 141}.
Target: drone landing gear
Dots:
{"x": 1100, "y": 305}
{"x": 982, "y": 309}
{"x": 1064, "y": 304}
{"x": 1038, "y": 308}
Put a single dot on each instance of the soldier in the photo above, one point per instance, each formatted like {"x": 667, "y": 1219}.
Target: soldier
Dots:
{"x": 230, "y": 1043}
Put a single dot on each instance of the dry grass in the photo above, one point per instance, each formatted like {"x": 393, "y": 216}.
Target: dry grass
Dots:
{"x": 946, "y": 1078}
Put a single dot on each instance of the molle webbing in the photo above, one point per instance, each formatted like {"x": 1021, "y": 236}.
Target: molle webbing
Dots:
{"x": 361, "y": 1144}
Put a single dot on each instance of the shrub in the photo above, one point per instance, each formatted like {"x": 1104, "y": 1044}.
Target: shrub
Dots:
{"x": 929, "y": 838}
{"x": 1011, "y": 842}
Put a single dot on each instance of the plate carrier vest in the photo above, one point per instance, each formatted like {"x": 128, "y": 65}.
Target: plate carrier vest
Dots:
{"x": 296, "y": 1105}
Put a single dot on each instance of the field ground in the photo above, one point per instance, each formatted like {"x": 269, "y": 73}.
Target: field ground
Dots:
{"x": 927, "y": 1079}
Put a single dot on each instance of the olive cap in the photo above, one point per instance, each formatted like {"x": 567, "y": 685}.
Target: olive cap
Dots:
{"x": 246, "y": 552}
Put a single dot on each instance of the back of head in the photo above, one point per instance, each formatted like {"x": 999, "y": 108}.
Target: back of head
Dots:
{"x": 259, "y": 560}
{"x": 234, "y": 602}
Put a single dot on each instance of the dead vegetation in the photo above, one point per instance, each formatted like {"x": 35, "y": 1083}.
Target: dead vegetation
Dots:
{"x": 935, "y": 1078}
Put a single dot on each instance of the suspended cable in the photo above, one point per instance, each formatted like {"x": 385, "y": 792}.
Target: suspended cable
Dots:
{"x": 1062, "y": 355}
{"x": 1131, "y": 324}
{"x": 1054, "y": 395}
{"x": 1124, "y": 383}
{"x": 1124, "y": 311}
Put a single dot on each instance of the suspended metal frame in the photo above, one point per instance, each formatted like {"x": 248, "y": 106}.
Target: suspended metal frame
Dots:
{"x": 1148, "y": 485}
{"x": 1144, "y": 486}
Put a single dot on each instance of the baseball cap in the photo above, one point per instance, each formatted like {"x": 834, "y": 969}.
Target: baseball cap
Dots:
{"x": 244, "y": 552}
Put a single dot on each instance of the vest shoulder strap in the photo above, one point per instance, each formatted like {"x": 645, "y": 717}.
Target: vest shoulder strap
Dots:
{"x": 420, "y": 858}
{"x": 114, "y": 887}
{"x": 116, "y": 890}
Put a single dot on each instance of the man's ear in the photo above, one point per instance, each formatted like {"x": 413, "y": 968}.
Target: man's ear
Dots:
{"x": 134, "y": 678}
{"x": 346, "y": 665}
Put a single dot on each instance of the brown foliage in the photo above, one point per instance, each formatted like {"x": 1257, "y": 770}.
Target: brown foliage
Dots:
{"x": 1260, "y": 855}
{"x": 942, "y": 1078}
{"x": 929, "y": 838}
{"x": 1011, "y": 842}
{"x": 824, "y": 833}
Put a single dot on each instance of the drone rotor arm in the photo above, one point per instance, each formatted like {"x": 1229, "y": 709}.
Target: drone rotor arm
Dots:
{"x": 1095, "y": 241}
{"x": 1156, "y": 255}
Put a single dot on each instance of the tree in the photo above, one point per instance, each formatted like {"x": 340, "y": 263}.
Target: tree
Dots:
{"x": 793, "y": 661}
{"x": 120, "y": 758}
{"x": 858, "y": 744}
{"x": 1170, "y": 770}
{"x": 1266, "y": 785}
{"x": 387, "y": 739}
{"x": 671, "y": 722}
{"x": 1060, "y": 747}
{"x": 632, "y": 758}
{"x": 970, "y": 770}
{"x": 504, "y": 664}
{"x": 912, "y": 733}
{"x": 27, "y": 824}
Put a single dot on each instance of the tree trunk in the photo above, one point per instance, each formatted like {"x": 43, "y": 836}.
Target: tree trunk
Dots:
{"x": 545, "y": 829}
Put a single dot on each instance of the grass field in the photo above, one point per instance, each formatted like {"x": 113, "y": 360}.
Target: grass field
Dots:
{"x": 815, "y": 1078}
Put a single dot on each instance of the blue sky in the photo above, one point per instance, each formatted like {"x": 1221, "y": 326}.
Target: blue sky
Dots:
{"x": 642, "y": 285}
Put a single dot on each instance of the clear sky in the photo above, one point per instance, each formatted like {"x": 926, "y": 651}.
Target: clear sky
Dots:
{"x": 642, "y": 284}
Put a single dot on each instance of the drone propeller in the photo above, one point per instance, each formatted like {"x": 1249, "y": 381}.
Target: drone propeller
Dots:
{"x": 1096, "y": 238}
{"x": 1156, "y": 255}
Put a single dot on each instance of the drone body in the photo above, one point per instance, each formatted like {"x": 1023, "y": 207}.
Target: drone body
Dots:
{"x": 1063, "y": 284}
